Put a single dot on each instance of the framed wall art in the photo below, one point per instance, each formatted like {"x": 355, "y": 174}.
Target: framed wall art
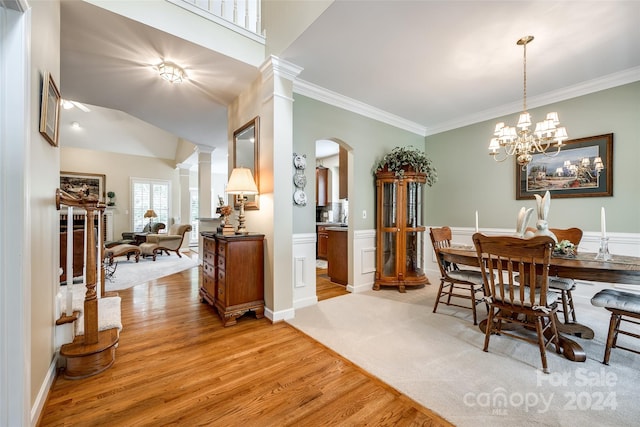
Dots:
{"x": 86, "y": 184}
{"x": 582, "y": 168}
{"x": 50, "y": 110}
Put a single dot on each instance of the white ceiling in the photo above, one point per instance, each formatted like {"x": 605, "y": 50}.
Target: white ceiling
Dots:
{"x": 434, "y": 64}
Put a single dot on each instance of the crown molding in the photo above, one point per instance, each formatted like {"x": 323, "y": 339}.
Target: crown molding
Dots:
{"x": 318, "y": 93}
{"x": 332, "y": 98}
{"x": 279, "y": 67}
{"x": 591, "y": 86}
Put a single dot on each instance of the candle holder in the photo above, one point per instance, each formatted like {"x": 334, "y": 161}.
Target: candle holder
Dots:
{"x": 603, "y": 252}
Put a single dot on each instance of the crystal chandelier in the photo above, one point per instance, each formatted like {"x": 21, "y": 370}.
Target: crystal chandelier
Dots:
{"x": 522, "y": 143}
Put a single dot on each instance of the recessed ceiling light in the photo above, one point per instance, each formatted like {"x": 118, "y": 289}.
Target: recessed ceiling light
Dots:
{"x": 75, "y": 125}
{"x": 171, "y": 72}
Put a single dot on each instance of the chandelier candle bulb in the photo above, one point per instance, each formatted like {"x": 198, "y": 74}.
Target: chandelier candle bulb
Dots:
{"x": 603, "y": 223}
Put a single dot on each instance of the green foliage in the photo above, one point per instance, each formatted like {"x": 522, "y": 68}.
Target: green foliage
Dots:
{"x": 401, "y": 159}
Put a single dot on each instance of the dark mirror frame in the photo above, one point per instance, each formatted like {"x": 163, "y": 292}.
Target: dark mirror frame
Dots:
{"x": 242, "y": 150}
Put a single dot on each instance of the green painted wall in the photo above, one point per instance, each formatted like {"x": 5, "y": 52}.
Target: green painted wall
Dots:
{"x": 368, "y": 141}
{"x": 469, "y": 179}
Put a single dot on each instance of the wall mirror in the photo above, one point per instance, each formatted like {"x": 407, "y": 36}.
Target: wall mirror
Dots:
{"x": 246, "y": 143}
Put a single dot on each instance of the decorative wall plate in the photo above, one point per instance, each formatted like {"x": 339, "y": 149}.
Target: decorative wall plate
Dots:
{"x": 300, "y": 198}
{"x": 299, "y": 161}
{"x": 300, "y": 180}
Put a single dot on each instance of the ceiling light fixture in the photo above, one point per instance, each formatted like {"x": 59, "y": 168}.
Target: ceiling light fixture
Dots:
{"x": 75, "y": 125}
{"x": 522, "y": 143}
{"x": 171, "y": 72}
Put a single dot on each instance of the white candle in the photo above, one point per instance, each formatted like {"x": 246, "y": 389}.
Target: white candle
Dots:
{"x": 476, "y": 221}
{"x": 603, "y": 223}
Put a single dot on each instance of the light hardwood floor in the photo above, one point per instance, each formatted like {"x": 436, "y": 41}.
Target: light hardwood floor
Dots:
{"x": 177, "y": 365}
{"x": 325, "y": 288}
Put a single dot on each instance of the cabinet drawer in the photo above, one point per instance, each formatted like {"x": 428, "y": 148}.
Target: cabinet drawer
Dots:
{"x": 221, "y": 262}
{"x": 208, "y": 270}
{"x": 209, "y": 245}
{"x": 209, "y": 257}
{"x": 209, "y": 284}
{"x": 222, "y": 248}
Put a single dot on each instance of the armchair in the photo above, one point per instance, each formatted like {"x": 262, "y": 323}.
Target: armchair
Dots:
{"x": 171, "y": 241}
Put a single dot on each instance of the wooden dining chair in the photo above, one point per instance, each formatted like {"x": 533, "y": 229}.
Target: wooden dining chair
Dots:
{"x": 562, "y": 284}
{"x": 455, "y": 283}
{"x": 527, "y": 302}
{"x": 624, "y": 306}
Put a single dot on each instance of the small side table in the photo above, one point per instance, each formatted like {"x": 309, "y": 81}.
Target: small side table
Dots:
{"x": 140, "y": 238}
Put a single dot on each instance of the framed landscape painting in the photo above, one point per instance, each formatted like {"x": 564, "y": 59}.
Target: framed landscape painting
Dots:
{"x": 582, "y": 168}
{"x": 87, "y": 184}
{"x": 50, "y": 110}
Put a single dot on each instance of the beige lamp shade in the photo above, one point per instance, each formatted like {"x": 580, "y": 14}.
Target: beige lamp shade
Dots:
{"x": 241, "y": 182}
{"x": 150, "y": 214}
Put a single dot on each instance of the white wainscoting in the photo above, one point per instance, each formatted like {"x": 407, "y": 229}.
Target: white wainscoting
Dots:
{"x": 619, "y": 243}
{"x": 364, "y": 261}
{"x": 304, "y": 270}
{"x": 361, "y": 274}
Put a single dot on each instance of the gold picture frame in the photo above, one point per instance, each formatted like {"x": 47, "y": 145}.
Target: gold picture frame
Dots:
{"x": 546, "y": 173}
{"x": 89, "y": 184}
{"x": 50, "y": 110}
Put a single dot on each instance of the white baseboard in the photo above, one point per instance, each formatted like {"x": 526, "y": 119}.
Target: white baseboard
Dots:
{"x": 279, "y": 316}
{"x": 43, "y": 393}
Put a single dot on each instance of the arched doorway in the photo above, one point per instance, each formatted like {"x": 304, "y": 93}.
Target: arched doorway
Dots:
{"x": 332, "y": 218}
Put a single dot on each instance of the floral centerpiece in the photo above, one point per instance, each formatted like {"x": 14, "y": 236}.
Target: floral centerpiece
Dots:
{"x": 402, "y": 159}
{"x": 565, "y": 248}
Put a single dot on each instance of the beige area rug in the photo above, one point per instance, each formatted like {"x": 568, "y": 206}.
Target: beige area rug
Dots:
{"x": 437, "y": 360}
{"x": 128, "y": 273}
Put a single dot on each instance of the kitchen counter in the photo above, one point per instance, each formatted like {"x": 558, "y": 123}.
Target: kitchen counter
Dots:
{"x": 322, "y": 228}
{"x": 337, "y": 255}
{"x": 331, "y": 224}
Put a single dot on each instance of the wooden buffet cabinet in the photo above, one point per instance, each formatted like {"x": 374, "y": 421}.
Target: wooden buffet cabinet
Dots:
{"x": 233, "y": 275}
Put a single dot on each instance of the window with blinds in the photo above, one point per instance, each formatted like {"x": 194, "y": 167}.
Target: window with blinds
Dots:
{"x": 149, "y": 194}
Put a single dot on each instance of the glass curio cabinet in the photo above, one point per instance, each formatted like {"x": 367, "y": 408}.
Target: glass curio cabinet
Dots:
{"x": 399, "y": 230}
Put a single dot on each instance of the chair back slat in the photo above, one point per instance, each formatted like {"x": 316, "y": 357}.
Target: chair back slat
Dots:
{"x": 507, "y": 257}
{"x": 441, "y": 238}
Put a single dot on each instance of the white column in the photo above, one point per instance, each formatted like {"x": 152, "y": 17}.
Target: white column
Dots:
{"x": 204, "y": 181}
{"x": 276, "y": 146}
{"x": 204, "y": 187}
{"x": 185, "y": 204}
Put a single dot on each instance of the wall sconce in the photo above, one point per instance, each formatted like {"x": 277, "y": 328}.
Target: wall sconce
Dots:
{"x": 241, "y": 182}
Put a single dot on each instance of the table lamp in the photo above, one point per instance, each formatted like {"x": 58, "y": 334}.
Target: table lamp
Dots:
{"x": 150, "y": 214}
{"x": 241, "y": 182}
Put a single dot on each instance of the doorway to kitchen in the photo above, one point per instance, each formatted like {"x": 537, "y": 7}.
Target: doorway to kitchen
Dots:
{"x": 332, "y": 219}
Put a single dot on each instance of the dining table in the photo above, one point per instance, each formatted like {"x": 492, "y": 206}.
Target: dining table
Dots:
{"x": 620, "y": 269}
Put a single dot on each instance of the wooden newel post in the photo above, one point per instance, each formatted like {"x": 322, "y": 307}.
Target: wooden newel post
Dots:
{"x": 91, "y": 299}
{"x": 94, "y": 351}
